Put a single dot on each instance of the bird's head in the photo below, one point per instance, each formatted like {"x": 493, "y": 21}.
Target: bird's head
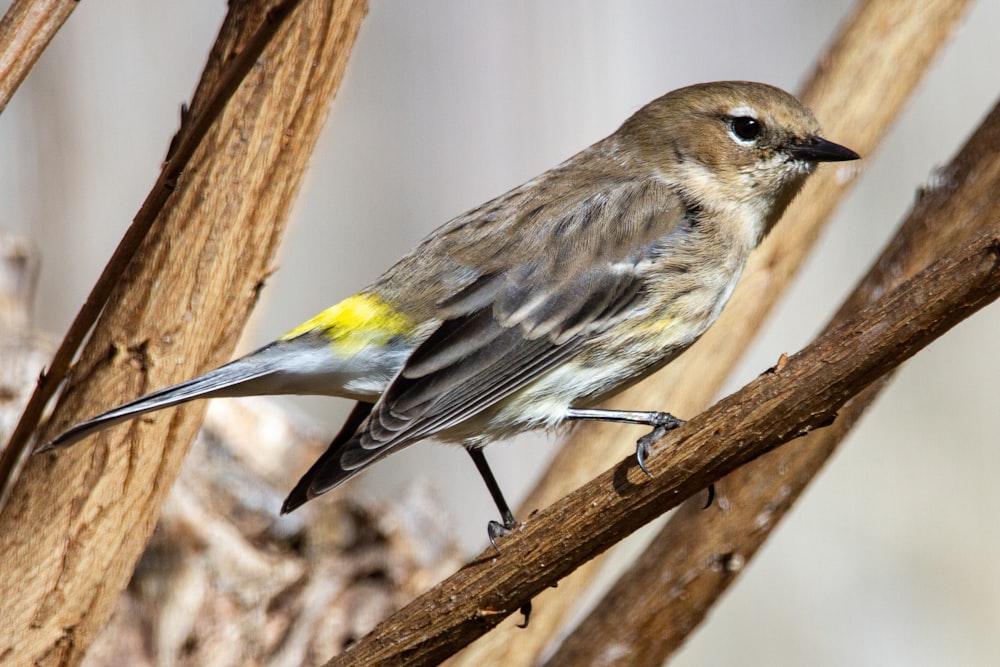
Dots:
{"x": 732, "y": 143}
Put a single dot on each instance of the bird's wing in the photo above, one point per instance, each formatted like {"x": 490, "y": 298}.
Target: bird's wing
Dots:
{"x": 509, "y": 327}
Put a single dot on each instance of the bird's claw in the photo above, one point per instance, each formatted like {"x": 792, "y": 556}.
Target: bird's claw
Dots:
{"x": 642, "y": 449}
{"x": 663, "y": 423}
{"x": 711, "y": 497}
{"x": 496, "y": 529}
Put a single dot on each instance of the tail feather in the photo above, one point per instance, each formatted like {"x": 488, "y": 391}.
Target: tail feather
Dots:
{"x": 327, "y": 472}
{"x": 236, "y": 378}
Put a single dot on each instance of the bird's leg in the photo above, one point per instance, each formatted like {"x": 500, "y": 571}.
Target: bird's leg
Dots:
{"x": 662, "y": 423}
{"x": 494, "y": 528}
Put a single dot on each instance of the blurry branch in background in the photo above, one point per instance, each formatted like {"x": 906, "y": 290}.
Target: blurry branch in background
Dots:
{"x": 25, "y": 30}
{"x": 859, "y": 87}
{"x": 76, "y": 523}
{"x": 697, "y": 555}
{"x": 23, "y": 351}
{"x": 218, "y": 85}
{"x": 800, "y": 394}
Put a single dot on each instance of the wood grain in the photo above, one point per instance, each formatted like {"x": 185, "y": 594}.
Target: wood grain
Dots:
{"x": 77, "y": 522}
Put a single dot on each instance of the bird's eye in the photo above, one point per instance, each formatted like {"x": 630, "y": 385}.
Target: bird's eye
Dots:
{"x": 745, "y": 128}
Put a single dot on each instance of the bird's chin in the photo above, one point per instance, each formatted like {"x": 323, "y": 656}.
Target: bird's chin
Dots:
{"x": 801, "y": 168}
{"x": 787, "y": 193}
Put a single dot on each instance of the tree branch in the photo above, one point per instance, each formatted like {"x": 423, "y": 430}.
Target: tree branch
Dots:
{"x": 219, "y": 82}
{"x": 76, "y": 522}
{"x": 698, "y": 555}
{"x": 859, "y": 87}
{"x": 25, "y": 30}
{"x": 800, "y": 395}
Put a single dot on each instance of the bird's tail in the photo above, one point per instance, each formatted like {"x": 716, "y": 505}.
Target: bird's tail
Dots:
{"x": 220, "y": 382}
{"x": 286, "y": 366}
{"x": 330, "y": 470}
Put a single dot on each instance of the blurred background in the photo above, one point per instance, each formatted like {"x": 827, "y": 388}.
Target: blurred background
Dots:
{"x": 887, "y": 559}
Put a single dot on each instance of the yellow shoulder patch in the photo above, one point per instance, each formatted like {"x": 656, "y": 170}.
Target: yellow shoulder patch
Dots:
{"x": 355, "y": 323}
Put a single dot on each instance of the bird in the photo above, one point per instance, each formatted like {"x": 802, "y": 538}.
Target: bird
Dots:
{"x": 528, "y": 311}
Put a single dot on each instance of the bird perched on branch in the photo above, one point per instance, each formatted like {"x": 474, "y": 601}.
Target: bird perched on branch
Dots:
{"x": 531, "y": 309}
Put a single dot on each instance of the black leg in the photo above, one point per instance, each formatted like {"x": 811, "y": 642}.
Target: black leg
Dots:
{"x": 662, "y": 423}
{"x": 495, "y": 529}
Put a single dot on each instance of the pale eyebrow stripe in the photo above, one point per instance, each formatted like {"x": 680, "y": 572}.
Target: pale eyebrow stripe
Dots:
{"x": 736, "y": 112}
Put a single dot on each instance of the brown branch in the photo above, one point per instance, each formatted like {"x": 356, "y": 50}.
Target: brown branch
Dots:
{"x": 860, "y": 86}
{"x": 76, "y": 522}
{"x": 215, "y": 90}
{"x": 25, "y": 30}
{"x": 686, "y": 567}
{"x": 784, "y": 403}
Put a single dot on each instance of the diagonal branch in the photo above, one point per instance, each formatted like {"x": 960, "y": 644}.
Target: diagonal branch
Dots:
{"x": 206, "y": 109}
{"x": 684, "y": 570}
{"x": 25, "y": 31}
{"x": 77, "y": 522}
{"x": 785, "y": 403}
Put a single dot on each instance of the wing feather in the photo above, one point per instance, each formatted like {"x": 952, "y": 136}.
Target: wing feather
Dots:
{"x": 520, "y": 317}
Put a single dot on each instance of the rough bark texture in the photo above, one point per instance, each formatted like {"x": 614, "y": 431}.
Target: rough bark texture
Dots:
{"x": 76, "y": 522}
{"x": 698, "y": 555}
{"x": 254, "y": 28}
{"x": 858, "y": 89}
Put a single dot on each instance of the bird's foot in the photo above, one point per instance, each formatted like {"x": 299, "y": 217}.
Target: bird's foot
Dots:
{"x": 496, "y": 529}
{"x": 662, "y": 423}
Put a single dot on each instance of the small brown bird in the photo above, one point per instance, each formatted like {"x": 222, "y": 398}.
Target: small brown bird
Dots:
{"x": 536, "y": 306}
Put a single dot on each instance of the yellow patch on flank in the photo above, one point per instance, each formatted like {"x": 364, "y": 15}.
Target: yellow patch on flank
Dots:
{"x": 657, "y": 325}
{"x": 355, "y": 323}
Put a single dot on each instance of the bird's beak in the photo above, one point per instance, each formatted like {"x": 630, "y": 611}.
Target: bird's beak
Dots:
{"x": 818, "y": 149}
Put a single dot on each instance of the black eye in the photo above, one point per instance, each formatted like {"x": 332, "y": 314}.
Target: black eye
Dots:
{"x": 745, "y": 127}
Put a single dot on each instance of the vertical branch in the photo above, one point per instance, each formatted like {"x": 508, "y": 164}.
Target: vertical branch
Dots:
{"x": 76, "y": 522}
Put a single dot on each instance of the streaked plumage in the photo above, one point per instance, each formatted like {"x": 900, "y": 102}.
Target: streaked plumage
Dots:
{"x": 552, "y": 296}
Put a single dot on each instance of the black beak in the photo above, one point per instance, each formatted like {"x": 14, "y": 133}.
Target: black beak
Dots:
{"x": 818, "y": 149}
